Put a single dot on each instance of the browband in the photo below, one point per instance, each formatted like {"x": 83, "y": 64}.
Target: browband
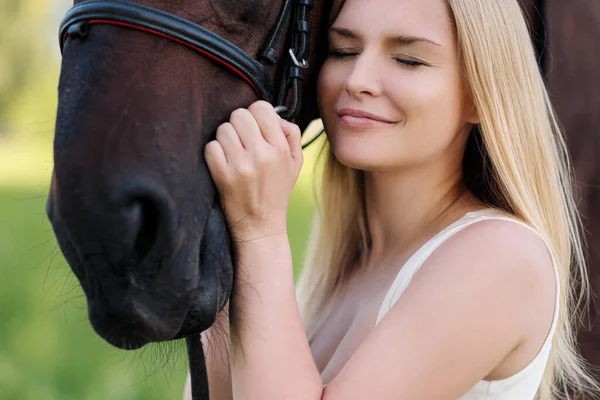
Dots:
{"x": 161, "y": 23}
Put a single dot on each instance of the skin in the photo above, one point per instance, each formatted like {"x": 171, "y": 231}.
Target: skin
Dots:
{"x": 479, "y": 277}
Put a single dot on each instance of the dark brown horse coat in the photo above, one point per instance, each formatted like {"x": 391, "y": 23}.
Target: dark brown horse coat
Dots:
{"x": 571, "y": 64}
{"x": 574, "y": 82}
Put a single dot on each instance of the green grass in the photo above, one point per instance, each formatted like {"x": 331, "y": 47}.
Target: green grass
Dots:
{"x": 47, "y": 347}
{"x": 48, "y": 350}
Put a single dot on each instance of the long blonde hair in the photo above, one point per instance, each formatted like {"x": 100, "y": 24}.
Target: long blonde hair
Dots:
{"x": 516, "y": 160}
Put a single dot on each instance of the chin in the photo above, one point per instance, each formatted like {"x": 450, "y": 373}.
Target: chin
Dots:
{"x": 357, "y": 159}
{"x": 357, "y": 144}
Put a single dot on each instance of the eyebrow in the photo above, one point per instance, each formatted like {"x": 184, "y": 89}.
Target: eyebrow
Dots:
{"x": 399, "y": 39}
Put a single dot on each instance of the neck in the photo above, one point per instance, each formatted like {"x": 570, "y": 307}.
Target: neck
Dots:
{"x": 403, "y": 206}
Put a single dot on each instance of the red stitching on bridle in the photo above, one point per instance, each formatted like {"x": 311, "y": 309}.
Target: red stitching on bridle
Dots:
{"x": 199, "y": 50}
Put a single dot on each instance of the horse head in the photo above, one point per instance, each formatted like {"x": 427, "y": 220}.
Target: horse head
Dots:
{"x": 131, "y": 201}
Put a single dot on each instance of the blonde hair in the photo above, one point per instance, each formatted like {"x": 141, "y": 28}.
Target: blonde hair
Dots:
{"x": 516, "y": 160}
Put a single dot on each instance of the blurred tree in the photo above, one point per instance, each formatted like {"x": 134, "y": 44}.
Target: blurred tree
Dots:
{"x": 23, "y": 47}
{"x": 16, "y": 51}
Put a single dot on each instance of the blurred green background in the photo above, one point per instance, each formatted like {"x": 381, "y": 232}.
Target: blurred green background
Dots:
{"x": 48, "y": 350}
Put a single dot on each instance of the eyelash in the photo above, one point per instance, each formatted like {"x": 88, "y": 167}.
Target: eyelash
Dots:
{"x": 406, "y": 62}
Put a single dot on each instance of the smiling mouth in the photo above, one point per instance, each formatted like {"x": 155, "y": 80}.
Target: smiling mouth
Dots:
{"x": 363, "y": 122}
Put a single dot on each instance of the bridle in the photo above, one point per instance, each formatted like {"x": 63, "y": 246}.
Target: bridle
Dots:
{"x": 76, "y": 25}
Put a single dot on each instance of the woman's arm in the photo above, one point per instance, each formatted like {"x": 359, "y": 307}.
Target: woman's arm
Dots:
{"x": 479, "y": 296}
{"x": 215, "y": 342}
{"x": 271, "y": 356}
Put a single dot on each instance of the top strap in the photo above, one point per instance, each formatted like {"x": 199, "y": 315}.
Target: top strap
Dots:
{"x": 413, "y": 264}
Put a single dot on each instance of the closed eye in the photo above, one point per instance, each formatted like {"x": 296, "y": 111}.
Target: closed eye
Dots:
{"x": 411, "y": 63}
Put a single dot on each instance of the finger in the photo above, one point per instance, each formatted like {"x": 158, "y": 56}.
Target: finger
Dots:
{"x": 246, "y": 128}
{"x": 268, "y": 121}
{"x": 216, "y": 160}
{"x": 293, "y": 135}
{"x": 230, "y": 142}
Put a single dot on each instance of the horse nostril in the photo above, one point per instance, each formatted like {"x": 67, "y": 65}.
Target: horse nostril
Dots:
{"x": 148, "y": 219}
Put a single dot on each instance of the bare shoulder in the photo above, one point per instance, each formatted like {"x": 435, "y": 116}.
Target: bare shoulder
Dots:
{"x": 499, "y": 247}
{"x": 484, "y": 300}
{"x": 511, "y": 261}
{"x": 497, "y": 274}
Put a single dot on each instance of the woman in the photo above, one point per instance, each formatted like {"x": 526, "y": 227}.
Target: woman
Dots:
{"x": 447, "y": 238}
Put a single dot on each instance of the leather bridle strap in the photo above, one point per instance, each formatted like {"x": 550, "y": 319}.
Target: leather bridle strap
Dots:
{"x": 160, "y": 23}
{"x": 294, "y": 15}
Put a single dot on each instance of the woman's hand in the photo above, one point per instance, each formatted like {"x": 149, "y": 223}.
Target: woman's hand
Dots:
{"x": 255, "y": 161}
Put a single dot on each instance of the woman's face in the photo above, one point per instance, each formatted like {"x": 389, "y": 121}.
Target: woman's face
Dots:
{"x": 397, "y": 61}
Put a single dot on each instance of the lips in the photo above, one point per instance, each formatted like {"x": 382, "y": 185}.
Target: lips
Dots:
{"x": 362, "y": 119}
{"x": 350, "y": 112}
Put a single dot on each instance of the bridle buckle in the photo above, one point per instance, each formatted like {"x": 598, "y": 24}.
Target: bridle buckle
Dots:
{"x": 300, "y": 64}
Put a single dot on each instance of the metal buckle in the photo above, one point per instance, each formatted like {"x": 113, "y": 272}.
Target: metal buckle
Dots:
{"x": 300, "y": 64}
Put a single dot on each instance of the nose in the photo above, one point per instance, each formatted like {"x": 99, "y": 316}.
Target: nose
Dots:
{"x": 124, "y": 241}
{"x": 141, "y": 214}
{"x": 363, "y": 78}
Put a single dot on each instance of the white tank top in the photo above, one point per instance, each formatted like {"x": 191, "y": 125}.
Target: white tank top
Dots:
{"x": 524, "y": 384}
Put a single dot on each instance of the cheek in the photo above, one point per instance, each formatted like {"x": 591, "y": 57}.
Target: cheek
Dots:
{"x": 329, "y": 85}
{"x": 434, "y": 100}
{"x": 432, "y": 106}
{"x": 426, "y": 96}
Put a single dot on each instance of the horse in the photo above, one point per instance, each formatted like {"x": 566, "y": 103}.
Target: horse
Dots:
{"x": 565, "y": 34}
{"x": 143, "y": 86}
{"x": 141, "y": 92}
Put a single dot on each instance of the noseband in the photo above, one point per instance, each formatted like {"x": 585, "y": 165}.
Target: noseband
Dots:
{"x": 76, "y": 25}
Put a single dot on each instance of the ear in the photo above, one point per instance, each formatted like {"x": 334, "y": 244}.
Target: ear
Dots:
{"x": 471, "y": 116}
